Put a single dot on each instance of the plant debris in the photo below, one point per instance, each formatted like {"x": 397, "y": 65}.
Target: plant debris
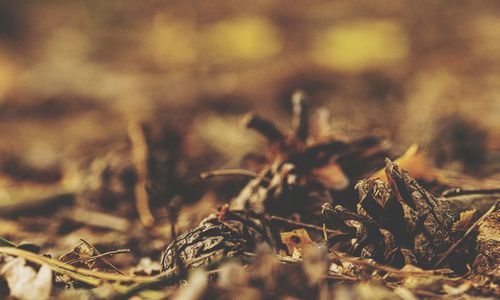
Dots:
{"x": 317, "y": 215}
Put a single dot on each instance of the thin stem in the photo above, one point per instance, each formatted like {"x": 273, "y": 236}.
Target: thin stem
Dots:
{"x": 140, "y": 156}
{"x": 300, "y": 224}
{"x": 228, "y": 172}
{"x": 394, "y": 271}
{"x": 107, "y": 262}
{"x": 462, "y": 191}
{"x": 84, "y": 275}
{"x": 95, "y": 257}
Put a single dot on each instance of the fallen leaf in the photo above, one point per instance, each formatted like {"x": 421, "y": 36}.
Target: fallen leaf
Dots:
{"x": 297, "y": 253}
{"x": 413, "y": 162}
{"x": 296, "y": 239}
{"x": 466, "y": 218}
{"x": 24, "y": 282}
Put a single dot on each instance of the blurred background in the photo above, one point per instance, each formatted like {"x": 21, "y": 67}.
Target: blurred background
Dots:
{"x": 76, "y": 77}
{"x": 74, "y": 73}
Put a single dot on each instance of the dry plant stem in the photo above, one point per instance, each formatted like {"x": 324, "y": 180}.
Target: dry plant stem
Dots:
{"x": 102, "y": 255}
{"x": 467, "y": 233}
{"x": 427, "y": 294}
{"x": 98, "y": 219}
{"x": 394, "y": 271}
{"x": 367, "y": 264}
{"x": 300, "y": 224}
{"x": 452, "y": 178}
{"x": 91, "y": 277}
{"x": 333, "y": 276}
{"x": 228, "y": 172}
{"x": 460, "y": 191}
{"x": 53, "y": 196}
{"x": 140, "y": 155}
{"x": 107, "y": 262}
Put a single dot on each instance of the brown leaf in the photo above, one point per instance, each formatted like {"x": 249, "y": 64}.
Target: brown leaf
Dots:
{"x": 466, "y": 218}
{"x": 296, "y": 239}
{"x": 414, "y": 163}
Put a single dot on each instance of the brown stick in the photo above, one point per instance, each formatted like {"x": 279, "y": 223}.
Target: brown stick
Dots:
{"x": 119, "y": 251}
{"x": 107, "y": 262}
{"x": 98, "y": 219}
{"x": 140, "y": 155}
{"x": 299, "y": 224}
{"x": 228, "y": 172}
{"x": 388, "y": 269}
{"x": 461, "y": 191}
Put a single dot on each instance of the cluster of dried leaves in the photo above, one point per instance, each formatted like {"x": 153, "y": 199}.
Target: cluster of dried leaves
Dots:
{"x": 320, "y": 217}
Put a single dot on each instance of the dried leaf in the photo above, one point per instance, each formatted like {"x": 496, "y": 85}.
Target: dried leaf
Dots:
{"x": 24, "y": 282}
{"x": 466, "y": 218}
{"x": 296, "y": 239}
{"x": 414, "y": 163}
{"x": 297, "y": 253}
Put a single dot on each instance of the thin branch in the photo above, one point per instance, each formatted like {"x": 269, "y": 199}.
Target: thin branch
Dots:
{"x": 300, "y": 224}
{"x": 107, "y": 262}
{"x": 95, "y": 257}
{"x": 388, "y": 269}
{"x": 140, "y": 155}
{"x": 228, "y": 172}
{"x": 91, "y": 277}
{"x": 462, "y": 191}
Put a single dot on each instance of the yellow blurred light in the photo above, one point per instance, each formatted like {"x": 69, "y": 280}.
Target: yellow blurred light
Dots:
{"x": 170, "y": 42}
{"x": 243, "y": 38}
{"x": 359, "y": 45}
